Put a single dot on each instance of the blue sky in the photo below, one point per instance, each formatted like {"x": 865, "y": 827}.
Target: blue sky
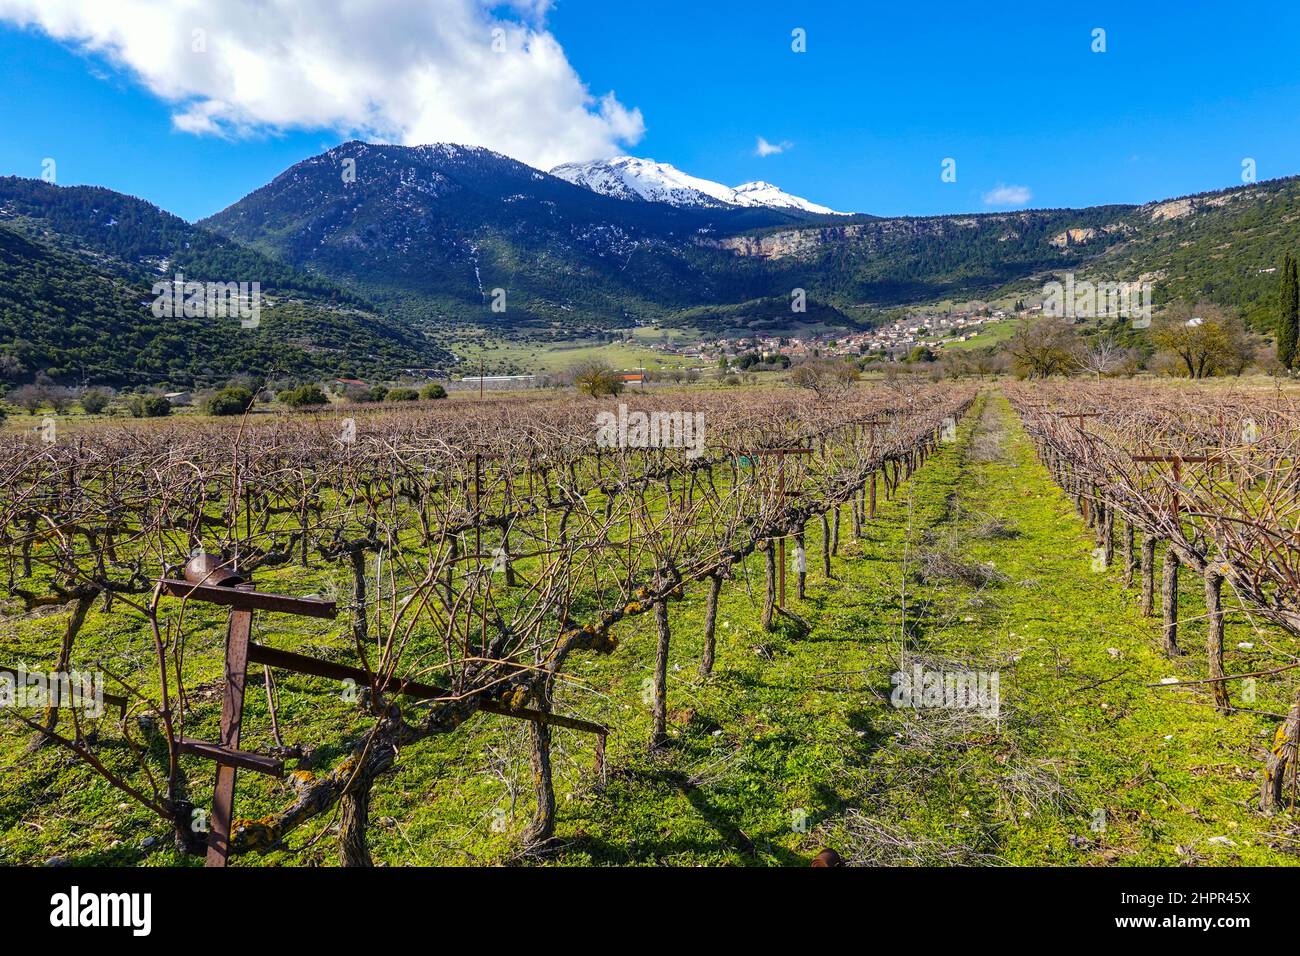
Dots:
{"x": 885, "y": 92}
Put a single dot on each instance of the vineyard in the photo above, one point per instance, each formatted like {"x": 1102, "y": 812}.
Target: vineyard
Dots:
{"x": 477, "y": 633}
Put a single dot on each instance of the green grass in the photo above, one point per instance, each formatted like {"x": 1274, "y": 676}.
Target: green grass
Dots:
{"x": 499, "y": 354}
{"x": 993, "y": 334}
{"x": 790, "y": 745}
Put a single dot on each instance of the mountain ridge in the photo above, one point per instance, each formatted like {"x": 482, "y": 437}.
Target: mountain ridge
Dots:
{"x": 565, "y": 252}
{"x": 368, "y": 254}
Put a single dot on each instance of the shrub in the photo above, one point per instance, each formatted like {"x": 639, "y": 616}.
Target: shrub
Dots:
{"x": 231, "y": 400}
{"x": 376, "y": 393}
{"x": 94, "y": 401}
{"x": 402, "y": 395}
{"x": 149, "y": 406}
{"x": 597, "y": 379}
{"x": 304, "y": 396}
{"x": 433, "y": 390}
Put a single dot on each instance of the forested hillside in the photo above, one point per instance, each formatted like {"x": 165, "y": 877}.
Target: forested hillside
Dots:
{"x": 77, "y": 270}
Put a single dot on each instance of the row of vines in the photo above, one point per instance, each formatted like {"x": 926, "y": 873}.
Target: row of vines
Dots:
{"x": 482, "y": 546}
{"x": 1209, "y": 482}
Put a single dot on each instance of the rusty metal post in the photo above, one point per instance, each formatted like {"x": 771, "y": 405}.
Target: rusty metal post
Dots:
{"x": 232, "y": 713}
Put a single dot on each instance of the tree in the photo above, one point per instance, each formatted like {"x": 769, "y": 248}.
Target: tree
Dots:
{"x": 94, "y": 401}
{"x": 1202, "y": 339}
{"x": 1288, "y": 325}
{"x": 1103, "y": 355}
{"x": 29, "y": 397}
{"x": 1043, "y": 347}
{"x": 433, "y": 390}
{"x": 987, "y": 361}
{"x": 823, "y": 375}
{"x": 59, "y": 399}
{"x": 597, "y": 379}
{"x": 955, "y": 363}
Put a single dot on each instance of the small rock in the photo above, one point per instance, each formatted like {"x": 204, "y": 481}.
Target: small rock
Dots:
{"x": 148, "y": 842}
{"x": 1169, "y": 680}
{"x": 1220, "y": 841}
{"x": 1113, "y": 651}
{"x": 1245, "y": 645}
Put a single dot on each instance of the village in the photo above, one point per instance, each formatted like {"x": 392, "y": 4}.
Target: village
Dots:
{"x": 893, "y": 341}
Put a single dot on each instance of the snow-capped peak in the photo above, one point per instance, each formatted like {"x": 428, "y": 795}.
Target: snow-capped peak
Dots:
{"x": 759, "y": 193}
{"x": 627, "y": 177}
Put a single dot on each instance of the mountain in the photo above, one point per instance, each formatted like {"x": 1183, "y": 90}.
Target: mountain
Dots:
{"x": 430, "y": 232}
{"x": 644, "y": 180}
{"x": 1226, "y": 246}
{"x": 78, "y": 267}
{"x": 369, "y": 254}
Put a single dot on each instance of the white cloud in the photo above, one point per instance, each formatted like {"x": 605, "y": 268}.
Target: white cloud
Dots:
{"x": 764, "y": 148}
{"x": 1002, "y": 195}
{"x": 404, "y": 71}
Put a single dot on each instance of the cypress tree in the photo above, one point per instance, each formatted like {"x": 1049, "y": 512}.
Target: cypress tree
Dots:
{"x": 1288, "y": 327}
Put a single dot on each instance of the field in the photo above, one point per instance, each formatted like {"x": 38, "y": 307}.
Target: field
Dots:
{"x": 965, "y": 527}
{"x": 994, "y": 334}
{"x": 500, "y": 353}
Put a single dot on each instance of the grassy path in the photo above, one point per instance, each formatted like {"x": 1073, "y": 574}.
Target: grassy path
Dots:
{"x": 791, "y": 745}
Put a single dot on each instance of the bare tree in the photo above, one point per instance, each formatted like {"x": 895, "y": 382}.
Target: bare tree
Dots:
{"x": 1103, "y": 355}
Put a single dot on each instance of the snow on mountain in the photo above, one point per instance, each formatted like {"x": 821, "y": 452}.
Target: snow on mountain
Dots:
{"x": 627, "y": 177}
{"x": 759, "y": 193}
